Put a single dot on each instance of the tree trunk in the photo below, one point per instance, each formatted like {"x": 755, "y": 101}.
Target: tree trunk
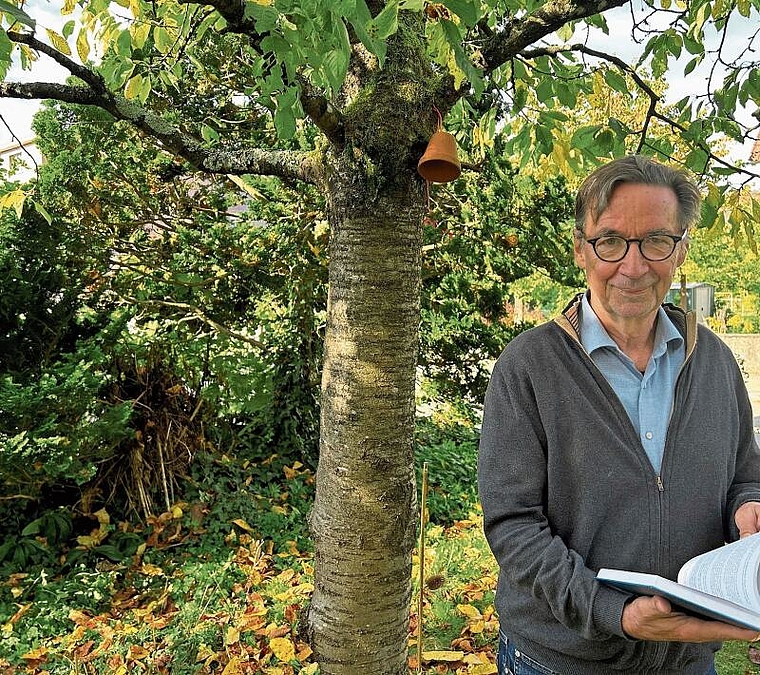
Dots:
{"x": 363, "y": 520}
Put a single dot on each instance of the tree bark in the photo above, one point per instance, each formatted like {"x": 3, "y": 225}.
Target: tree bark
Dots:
{"x": 363, "y": 520}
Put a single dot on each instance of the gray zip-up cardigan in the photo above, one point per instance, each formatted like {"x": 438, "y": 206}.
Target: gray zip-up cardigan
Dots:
{"x": 567, "y": 488}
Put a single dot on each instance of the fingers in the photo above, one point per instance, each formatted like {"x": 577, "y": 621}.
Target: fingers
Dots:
{"x": 747, "y": 519}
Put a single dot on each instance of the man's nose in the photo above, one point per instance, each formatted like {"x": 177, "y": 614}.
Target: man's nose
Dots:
{"x": 633, "y": 262}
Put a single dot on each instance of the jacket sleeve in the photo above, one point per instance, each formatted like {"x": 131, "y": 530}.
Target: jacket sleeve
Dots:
{"x": 746, "y": 483}
{"x": 512, "y": 480}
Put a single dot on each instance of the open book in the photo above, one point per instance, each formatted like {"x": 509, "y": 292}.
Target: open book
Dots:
{"x": 723, "y": 584}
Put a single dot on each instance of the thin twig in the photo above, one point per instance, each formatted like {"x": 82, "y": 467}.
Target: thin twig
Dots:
{"x": 423, "y": 507}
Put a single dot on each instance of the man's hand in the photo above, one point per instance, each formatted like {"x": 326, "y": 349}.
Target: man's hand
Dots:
{"x": 652, "y": 618}
{"x": 747, "y": 518}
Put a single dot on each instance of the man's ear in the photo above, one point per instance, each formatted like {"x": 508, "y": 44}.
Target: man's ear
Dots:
{"x": 578, "y": 249}
{"x": 683, "y": 249}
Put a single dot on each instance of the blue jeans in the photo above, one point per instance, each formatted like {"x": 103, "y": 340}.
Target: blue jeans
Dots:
{"x": 511, "y": 661}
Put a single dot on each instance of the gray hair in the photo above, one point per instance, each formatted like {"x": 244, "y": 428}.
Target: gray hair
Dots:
{"x": 596, "y": 191}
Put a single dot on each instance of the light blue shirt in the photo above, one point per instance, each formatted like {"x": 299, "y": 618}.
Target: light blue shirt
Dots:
{"x": 647, "y": 398}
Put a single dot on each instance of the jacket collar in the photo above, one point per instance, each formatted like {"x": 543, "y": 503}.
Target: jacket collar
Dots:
{"x": 685, "y": 322}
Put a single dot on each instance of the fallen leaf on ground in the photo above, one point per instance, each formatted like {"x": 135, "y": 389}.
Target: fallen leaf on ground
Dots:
{"x": 283, "y": 648}
{"x": 442, "y": 656}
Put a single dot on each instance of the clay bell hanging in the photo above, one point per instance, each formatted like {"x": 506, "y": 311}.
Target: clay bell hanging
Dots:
{"x": 440, "y": 163}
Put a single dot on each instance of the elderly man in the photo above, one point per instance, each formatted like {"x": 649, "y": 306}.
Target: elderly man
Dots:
{"x": 618, "y": 435}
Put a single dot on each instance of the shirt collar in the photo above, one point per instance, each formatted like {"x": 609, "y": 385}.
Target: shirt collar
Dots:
{"x": 594, "y": 336}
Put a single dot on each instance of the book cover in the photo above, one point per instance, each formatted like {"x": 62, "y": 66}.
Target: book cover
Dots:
{"x": 682, "y": 597}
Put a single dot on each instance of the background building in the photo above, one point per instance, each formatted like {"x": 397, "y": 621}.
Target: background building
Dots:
{"x": 19, "y": 161}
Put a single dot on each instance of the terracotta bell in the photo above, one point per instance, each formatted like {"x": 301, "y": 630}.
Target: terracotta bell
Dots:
{"x": 440, "y": 163}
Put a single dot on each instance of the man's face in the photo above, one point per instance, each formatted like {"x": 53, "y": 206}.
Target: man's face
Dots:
{"x": 626, "y": 294}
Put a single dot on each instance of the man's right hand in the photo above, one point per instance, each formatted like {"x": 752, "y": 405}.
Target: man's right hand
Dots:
{"x": 653, "y": 618}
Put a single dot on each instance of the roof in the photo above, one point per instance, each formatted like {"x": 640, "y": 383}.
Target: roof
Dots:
{"x": 16, "y": 145}
{"x": 691, "y": 284}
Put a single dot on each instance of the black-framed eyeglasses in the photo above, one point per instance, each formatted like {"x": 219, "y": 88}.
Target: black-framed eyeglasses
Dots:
{"x": 653, "y": 247}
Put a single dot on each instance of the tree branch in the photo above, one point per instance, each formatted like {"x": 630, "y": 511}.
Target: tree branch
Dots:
{"x": 520, "y": 33}
{"x": 198, "y": 314}
{"x": 654, "y": 99}
{"x": 324, "y": 114}
{"x": 224, "y": 160}
{"x": 89, "y": 77}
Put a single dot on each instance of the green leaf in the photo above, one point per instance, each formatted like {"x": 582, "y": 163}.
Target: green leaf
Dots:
{"x": 68, "y": 29}
{"x": 545, "y": 90}
{"x": 693, "y": 46}
{"x": 124, "y": 43}
{"x": 692, "y": 64}
{"x": 567, "y": 95}
{"x": 164, "y": 42}
{"x": 43, "y": 212}
{"x": 285, "y": 115}
{"x": 145, "y": 89}
{"x": 6, "y": 47}
{"x": 209, "y": 134}
{"x": 334, "y": 66}
{"x": 616, "y": 81}
{"x": 469, "y": 12}
{"x": 385, "y": 24}
{"x": 17, "y": 14}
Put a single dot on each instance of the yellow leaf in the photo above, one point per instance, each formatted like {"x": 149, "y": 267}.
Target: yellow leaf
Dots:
{"x": 283, "y": 648}
{"x": 292, "y": 472}
{"x": 470, "y": 611}
{"x": 177, "y": 512}
{"x": 242, "y": 524}
{"x": 204, "y": 653}
{"x": 286, "y": 575}
{"x": 140, "y": 33}
{"x": 232, "y": 667}
{"x": 311, "y": 669}
{"x": 151, "y": 570}
{"x": 90, "y": 541}
{"x": 68, "y": 7}
{"x": 13, "y": 200}
{"x": 483, "y": 669}
{"x": 102, "y": 516}
{"x": 134, "y": 85}
{"x": 58, "y": 41}
{"x": 232, "y": 636}
{"x": 83, "y": 46}
{"x": 442, "y": 656}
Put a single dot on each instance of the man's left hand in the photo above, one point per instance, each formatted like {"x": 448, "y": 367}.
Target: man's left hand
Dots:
{"x": 747, "y": 519}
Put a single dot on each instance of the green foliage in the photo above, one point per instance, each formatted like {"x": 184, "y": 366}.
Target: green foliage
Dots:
{"x": 59, "y": 425}
{"x": 448, "y": 442}
{"x": 150, "y": 305}
{"x": 729, "y": 264}
{"x": 270, "y": 499}
{"x": 485, "y": 233}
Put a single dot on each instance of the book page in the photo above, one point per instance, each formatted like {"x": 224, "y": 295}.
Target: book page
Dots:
{"x": 730, "y": 572}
